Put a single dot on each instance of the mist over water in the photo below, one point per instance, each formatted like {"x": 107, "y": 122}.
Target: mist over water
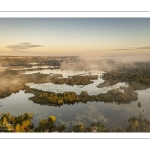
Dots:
{"x": 102, "y": 63}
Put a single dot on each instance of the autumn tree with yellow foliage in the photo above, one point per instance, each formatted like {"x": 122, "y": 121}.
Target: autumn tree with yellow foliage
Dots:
{"x": 20, "y": 123}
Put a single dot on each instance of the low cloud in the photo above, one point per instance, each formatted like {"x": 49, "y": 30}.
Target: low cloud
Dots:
{"x": 122, "y": 49}
{"x": 132, "y": 48}
{"x": 145, "y": 47}
{"x": 22, "y": 46}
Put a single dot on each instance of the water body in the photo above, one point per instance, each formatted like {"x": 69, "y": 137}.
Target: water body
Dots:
{"x": 91, "y": 88}
{"x": 110, "y": 114}
{"x": 60, "y": 88}
{"x": 66, "y": 73}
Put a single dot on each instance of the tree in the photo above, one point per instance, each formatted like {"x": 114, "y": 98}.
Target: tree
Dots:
{"x": 53, "y": 118}
{"x": 18, "y": 128}
{"x": 5, "y": 122}
{"x": 62, "y": 128}
{"x": 78, "y": 128}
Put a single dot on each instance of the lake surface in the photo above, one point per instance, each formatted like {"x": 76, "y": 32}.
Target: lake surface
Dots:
{"x": 111, "y": 115}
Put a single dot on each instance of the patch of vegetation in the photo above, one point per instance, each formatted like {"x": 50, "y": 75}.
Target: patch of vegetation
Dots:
{"x": 23, "y": 123}
{"x": 74, "y": 80}
{"x": 46, "y": 125}
{"x": 57, "y": 99}
{"x": 98, "y": 127}
{"x": 53, "y": 98}
{"x": 138, "y": 76}
{"x": 138, "y": 125}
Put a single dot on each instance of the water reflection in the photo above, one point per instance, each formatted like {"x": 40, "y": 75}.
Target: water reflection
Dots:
{"x": 111, "y": 115}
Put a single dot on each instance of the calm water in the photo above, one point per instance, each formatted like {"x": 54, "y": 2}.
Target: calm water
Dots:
{"x": 110, "y": 114}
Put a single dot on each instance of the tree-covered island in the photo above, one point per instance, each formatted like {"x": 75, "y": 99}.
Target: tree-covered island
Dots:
{"x": 57, "y": 99}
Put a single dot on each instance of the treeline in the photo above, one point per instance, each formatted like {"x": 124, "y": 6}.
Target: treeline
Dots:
{"x": 26, "y": 60}
{"x": 23, "y": 123}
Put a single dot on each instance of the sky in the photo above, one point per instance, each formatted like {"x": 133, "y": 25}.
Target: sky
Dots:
{"x": 74, "y": 36}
